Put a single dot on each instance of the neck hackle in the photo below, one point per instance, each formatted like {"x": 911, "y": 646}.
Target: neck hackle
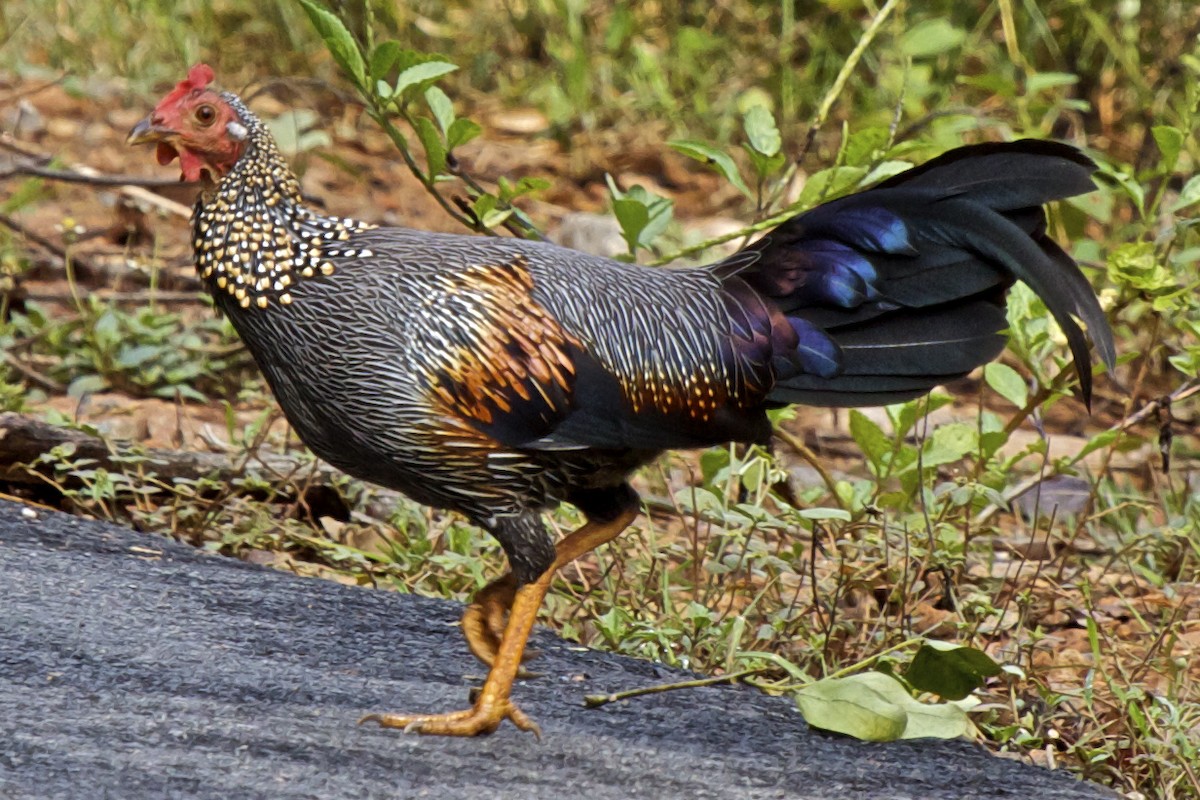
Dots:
{"x": 254, "y": 238}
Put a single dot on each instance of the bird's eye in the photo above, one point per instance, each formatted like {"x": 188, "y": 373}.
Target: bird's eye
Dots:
{"x": 206, "y": 115}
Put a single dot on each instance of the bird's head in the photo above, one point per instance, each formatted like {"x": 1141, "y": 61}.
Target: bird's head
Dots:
{"x": 195, "y": 124}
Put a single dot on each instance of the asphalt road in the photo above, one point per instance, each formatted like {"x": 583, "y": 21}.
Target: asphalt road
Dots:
{"x": 132, "y": 667}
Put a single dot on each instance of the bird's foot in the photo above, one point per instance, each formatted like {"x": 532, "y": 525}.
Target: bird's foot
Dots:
{"x": 484, "y": 620}
{"x": 484, "y": 717}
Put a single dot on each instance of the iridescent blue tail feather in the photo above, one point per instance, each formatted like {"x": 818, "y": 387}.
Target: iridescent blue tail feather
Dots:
{"x": 897, "y": 289}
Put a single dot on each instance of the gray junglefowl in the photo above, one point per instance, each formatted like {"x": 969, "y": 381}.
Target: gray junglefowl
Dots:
{"x": 498, "y": 377}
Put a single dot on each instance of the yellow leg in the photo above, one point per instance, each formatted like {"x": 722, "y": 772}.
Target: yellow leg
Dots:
{"x": 590, "y": 536}
{"x": 485, "y": 619}
{"x": 493, "y": 704}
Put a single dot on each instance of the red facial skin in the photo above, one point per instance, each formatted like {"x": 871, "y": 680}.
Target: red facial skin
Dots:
{"x": 191, "y": 123}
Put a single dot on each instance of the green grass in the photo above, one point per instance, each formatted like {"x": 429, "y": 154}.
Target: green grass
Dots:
{"x": 1100, "y": 636}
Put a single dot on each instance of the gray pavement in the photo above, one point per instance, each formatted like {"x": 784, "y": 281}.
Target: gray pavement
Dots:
{"x": 133, "y": 667}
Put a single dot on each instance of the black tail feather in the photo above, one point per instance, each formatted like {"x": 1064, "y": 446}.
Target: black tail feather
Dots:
{"x": 907, "y": 280}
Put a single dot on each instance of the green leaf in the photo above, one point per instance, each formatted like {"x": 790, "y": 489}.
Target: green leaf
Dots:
{"x": 884, "y": 170}
{"x": 764, "y": 166}
{"x": 341, "y": 44}
{"x": 870, "y": 438}
{"x": 87, "y": 384}
{"x": 435, "y": 149}
{"x": 761, "y": 131}
{"x": 1049, "y": 80}
{"x": 487, "y": 209}
{"x": 905, "y": 415}
{"x": 931, "y": 38}
{"x": 461, "y": 131}
{"x": 25, "y": 194}
{"x": 383, "y": 58}
{"x": 419, "y": 73}
{"x": 1136, "y": 264}
{"x": 633, "y": 217}
{"x": 441, "y": 108}
{"x": 182, "y": 390}
{"x": 949, "y": 443}
{"x": 1007, "y": 383}
{"x": 713, "y": 461}
{"x": 1190, "y": 195}
{"x": 717, "y": 159}
{"x": 1097, "y": 442}
{"x": 484, "y": 204}
{"x": 862, "y": 147}
{"x": 950, "y": 670}
{"x": 823, "y": 513}
{"x": 937, "y": 721}
{"x": 510, "y": 191}
{"x": 1170, "y": 143}
{"x": 1127, "y": 183}
{"x": 875, "y": 707}
{"x": 828, "y": 184}
{"x": 133, "y": 357}
{"x": 641, "y": 214}
{"x": 868, "y": 706}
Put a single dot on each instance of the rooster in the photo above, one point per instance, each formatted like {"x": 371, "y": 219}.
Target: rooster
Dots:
{"x": 498, "y": 377}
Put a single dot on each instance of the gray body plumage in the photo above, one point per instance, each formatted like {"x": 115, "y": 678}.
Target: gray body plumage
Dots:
{"x": 351, "y": 376}
{"x": 499, "y": 377}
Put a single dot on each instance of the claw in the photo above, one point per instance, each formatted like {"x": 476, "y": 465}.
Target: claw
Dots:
{"x": 483, "y": 718}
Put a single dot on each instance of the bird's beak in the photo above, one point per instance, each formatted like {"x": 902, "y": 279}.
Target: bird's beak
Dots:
{"x": 146, "y": 132}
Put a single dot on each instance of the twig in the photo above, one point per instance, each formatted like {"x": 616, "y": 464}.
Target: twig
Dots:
{"x": 1106, "y": 459}
{"x": 23, "y": 440}
{"x": 597, "y": 700}
{"x": 16, "y": 95}
{"x": 1056, "y": 384}
{"x": 844, "y": 74}
{"x": 33, "y": 376}
{"x": 910, "y": 130}
{"x": 62, "y": 258}
{"x": 381, "y": 118}
{"x": 290, "y": 83}
{"x": 1182, "y": 393}
{"x": 136, "y": 193}
{"x": 142, "y": 296}
{"x": 763, "y": 225}
{"x": 802, "y": 450}
{"x": 518, "y": 224}
{"x": 834, "y": 91}
{"x": 851, "y": 668}
{"x": 72, "y": 176}
{"x": 58, "y": 251}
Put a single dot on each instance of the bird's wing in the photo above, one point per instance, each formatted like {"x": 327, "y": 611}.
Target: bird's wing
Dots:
{"x": 579, "y": 353}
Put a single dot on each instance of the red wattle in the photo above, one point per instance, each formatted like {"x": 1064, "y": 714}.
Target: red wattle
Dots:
{"x": 190, "y": 164}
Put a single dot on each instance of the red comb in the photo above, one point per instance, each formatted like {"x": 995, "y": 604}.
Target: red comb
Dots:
{"x": 198, "y": 77}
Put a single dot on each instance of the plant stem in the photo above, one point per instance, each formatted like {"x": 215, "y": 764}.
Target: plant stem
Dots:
{"x": 597, "y": 700}
{"x": 831, "y": 96}
{"x": 401, "y": 143}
